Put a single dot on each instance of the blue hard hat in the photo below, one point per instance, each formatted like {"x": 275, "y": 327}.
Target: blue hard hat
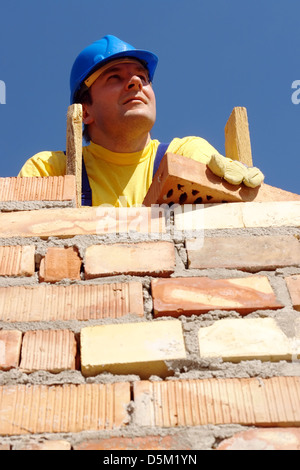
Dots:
{"x": 102, "y": 51}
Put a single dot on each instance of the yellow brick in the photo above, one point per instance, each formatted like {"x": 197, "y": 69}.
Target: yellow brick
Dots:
{"x": 132, "y": 348}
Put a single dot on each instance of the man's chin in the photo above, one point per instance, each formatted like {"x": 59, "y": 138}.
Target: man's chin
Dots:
{"x": 139, "y": 118}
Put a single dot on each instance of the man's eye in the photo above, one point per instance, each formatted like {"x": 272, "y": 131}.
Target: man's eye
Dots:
{"x": 144, "y": 78}
{"x": 115, "y": 76}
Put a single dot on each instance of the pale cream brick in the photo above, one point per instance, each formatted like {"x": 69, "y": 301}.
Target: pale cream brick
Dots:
{"x": 223, "y": 215}
{"x": 271, "y": 214}
{"x": 235, "y": 340}
{"x": 131, "y": 348}
{"x": 242, "y": 214}
{"x": 244, "y": 252}
{"x": 189, "y": 217}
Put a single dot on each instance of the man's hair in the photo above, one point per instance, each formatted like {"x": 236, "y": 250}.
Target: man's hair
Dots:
{"x": 85, "y": 98}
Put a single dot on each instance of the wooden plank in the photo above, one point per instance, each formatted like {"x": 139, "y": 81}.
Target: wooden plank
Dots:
{"x": 181, "y": 180}
{"x": 74, "y": 146}
{"x": 237, "y": 137}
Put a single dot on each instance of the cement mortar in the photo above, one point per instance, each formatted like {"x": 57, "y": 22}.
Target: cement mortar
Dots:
{"x": 17, "y": 206}
{"x": 194, "y": 438}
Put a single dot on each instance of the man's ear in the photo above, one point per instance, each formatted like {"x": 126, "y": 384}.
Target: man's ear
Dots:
{"x": 86, "y": 116}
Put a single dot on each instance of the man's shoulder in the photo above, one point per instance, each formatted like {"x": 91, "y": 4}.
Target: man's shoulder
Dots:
{"x": 193, "y": 147}
{"x": 45, "y": 163}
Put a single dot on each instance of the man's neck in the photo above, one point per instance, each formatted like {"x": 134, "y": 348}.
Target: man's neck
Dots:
{"x": 122, "y": 144}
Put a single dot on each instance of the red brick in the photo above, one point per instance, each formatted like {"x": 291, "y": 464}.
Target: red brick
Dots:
{"x": 249, "y": 402}
{"x": 17, "y": 260}
{"x": 171, "y": 442}
{"x": 293, "y": 284}
{"x": 4, "y": 447}
{"x": 51, "y": 350}
{"x": 197, "y": 295}
{"x": 245, "y": 253}
{"x": 10, "y": 347}
{"x": 60, "y": 263}
{"x": 52, "y": 188}
{"x": 47, "y": 445}
{"x": 75, "y": 302}
{"x": 69, "y": 222}
{"x": 182, "y": 180}
{"x": 145, "y": 258}
{"x": 263, "y": 439}
{"x": 57, "y": 409}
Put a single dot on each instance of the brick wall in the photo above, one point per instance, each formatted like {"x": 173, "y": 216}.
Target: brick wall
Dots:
{"x": 146, "y": 328}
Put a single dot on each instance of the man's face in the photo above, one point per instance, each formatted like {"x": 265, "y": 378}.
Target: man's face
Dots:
{"x": 122, "y": 100}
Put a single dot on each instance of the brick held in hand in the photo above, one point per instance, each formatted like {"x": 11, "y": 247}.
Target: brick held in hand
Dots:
{"x": 180, "y": 177}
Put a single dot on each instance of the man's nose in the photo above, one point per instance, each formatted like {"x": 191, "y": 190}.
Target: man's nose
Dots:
{"x": 134, "y": 82}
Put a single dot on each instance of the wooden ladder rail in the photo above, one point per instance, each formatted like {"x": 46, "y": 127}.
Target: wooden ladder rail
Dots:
{"x": 74, "y": 147}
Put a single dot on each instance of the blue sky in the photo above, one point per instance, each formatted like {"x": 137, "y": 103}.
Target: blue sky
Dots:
{"x": 213, "y": 55}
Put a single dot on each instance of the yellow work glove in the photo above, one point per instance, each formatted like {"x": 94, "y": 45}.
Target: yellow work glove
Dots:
{"x": 235, "y": 172}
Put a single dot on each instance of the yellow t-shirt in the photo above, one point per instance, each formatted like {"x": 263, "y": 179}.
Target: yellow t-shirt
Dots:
{"x": 118, "y": 179}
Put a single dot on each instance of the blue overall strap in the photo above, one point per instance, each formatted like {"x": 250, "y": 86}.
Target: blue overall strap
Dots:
{"x": 86, "y": 192}
{"x": 161, "y": 150}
